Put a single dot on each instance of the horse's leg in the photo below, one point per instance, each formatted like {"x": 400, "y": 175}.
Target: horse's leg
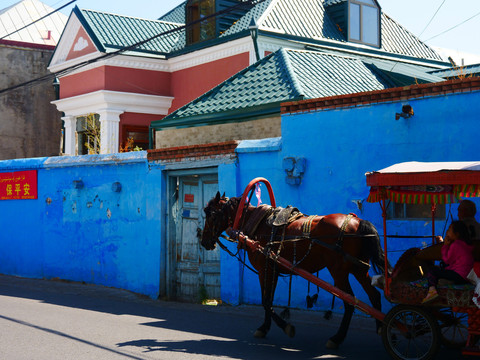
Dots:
{"x": 268, "y": 283}
{"x": 373, "y": 294}
{"x": 265, "y": 276}
{"x": 338, "y": 338}
{"x": 287, "y": 328}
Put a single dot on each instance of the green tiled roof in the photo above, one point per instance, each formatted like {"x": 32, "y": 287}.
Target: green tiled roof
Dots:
{"x": 176, "y": 15}
{"x": 396, "y": 39}
{"x": 458, "y": 71}
{"x": 113, "y": 32}
{"x": 308, "y": 19}
{"x": 328, "y": 75}
{"x": 302, "y": 18}
{"x": 269, "y": 81}
{"x": 305, "y": 20}
{"x": 288, "y": 75}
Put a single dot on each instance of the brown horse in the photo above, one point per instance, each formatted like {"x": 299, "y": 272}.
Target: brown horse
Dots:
{"x": 344, "y": 236}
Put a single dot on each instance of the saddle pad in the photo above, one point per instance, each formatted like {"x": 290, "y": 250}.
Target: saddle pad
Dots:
{"x": 283, "y": 216}
{"x": 258, "y": 214}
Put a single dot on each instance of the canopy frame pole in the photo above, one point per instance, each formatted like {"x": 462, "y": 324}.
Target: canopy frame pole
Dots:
{"x": 383, "y": 206}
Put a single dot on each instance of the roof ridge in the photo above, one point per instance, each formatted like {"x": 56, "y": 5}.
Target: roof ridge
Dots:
{"x": 291, "y": 72}
{"x": 269, "y": 8}
{"x": 126, "y": 16}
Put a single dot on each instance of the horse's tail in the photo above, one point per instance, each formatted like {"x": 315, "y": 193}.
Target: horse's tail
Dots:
{"x": 371, "y": 244}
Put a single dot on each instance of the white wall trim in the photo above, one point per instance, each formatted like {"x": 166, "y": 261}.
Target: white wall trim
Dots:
{"x": 213, "y": 53}
{"x": 67, "y": 38}
{"x": 199, "y": 57}
{"x": 122, "y": 101}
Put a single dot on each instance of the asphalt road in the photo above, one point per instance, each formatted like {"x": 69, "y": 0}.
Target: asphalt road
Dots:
{"x": 52, "y": 320}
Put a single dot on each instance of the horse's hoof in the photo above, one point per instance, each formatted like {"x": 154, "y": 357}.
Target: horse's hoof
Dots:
{"x": 331, "y": 345}
{"x": 289, "y": 330}
{"x": 259, "y": 334}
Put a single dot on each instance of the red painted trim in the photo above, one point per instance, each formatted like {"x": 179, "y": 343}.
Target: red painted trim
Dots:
{"x": 379, "y": 96}
{"x": 434, "y": 178}
{"x": 27, "y": 45}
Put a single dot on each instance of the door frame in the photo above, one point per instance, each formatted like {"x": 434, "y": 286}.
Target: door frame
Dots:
{"x": 172, "y": 181}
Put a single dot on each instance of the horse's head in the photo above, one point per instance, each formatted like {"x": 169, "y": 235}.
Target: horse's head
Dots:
{"x": 216, "y": 221}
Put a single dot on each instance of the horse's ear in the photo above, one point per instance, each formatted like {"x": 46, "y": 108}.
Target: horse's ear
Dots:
{"x": 217, "y": 197}
{"x": 223, "y": 196}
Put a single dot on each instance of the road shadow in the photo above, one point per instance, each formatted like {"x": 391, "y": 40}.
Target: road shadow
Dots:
{"x": 221, "y": 331}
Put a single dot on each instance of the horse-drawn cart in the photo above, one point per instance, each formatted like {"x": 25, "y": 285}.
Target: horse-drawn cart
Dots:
{"x": 345, "y": 244}
{"x": 453, "y": 317}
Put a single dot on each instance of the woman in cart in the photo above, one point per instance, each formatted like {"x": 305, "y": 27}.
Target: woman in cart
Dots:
{"x": 457, "y": 254}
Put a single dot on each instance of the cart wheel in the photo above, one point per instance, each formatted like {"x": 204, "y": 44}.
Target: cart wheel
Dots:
{"x": 453, "y": 327}
{"x": 410, "y": 332}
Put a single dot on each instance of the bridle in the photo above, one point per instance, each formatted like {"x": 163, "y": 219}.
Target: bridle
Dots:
{"x": 219, "y": 216}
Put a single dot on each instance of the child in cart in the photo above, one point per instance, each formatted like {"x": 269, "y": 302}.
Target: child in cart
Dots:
{"x": 457, "y": 254}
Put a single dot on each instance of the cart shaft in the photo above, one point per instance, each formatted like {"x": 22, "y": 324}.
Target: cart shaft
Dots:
{"x": 352, "y": 300}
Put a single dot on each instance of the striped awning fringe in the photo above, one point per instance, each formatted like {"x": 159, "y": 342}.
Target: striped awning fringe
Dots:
{"x": 423, "y": 194}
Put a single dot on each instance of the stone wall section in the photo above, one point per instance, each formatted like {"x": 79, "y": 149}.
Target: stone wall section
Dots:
{"x": 255, "y": 129}
{"x": 29, "y": 125}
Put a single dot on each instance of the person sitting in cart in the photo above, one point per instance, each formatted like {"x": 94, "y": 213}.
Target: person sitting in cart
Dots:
{"x": 457, "y": 254}
{"x": 466, "y": 213}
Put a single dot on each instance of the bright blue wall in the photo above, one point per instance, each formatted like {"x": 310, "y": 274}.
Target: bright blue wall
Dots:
{"x": 340, "y": 146}
{"x": 93, "y": 234}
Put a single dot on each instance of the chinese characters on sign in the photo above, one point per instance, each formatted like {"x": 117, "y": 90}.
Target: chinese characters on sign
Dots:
{"x": 18, "y": 185}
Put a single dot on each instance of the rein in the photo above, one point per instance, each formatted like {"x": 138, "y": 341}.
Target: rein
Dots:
{"x": 223, "y": 247}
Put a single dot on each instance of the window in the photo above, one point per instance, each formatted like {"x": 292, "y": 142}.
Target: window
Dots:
{"x": 364, "y": 22}
{"x": 398, "y": 211}
{"x": 202, "y": 30}
{"x": 88, "y": 134}
{"x": 134, "y": 138}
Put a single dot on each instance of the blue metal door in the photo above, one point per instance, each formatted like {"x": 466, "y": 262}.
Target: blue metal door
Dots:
{"x": 197, "y": 271}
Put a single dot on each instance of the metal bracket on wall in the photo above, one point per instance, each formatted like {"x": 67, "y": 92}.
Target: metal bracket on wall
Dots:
{"x": 295, "y": 168}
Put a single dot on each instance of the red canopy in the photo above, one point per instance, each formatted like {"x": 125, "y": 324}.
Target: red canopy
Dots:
{"x": 425, "y": 183}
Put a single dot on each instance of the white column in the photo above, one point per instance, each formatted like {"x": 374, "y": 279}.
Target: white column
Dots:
{"x": 70, "y": 130}
{"x": 109, "y": 130}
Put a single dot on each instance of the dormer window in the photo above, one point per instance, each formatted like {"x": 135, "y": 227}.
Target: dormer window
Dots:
{"x": 364, "y": 22}
{"x": 211, "y": 27}
{"x": 203, "y": 29}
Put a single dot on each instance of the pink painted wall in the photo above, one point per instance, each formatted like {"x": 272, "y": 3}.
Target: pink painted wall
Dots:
{"x": 188, "y": 84}
{"x": 116, "y": 79}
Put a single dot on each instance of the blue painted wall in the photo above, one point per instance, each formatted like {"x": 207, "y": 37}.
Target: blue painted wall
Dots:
{"x": 92, "y": 234}
{"x": 97, "y": 235}
{"x": 340, "y": 146}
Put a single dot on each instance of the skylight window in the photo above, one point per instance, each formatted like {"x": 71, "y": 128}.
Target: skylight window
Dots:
{"x": 364, "y": 22}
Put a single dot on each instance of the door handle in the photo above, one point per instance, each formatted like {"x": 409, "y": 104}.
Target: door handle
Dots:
{"x": 199, "y": 233}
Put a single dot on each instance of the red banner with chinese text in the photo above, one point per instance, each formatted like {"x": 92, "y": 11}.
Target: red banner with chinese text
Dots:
{"x": 18, "y": 185}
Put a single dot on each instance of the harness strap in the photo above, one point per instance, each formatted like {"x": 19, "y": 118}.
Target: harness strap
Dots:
{"x": 343, "y": 228}
{"x": 307, "y": 226}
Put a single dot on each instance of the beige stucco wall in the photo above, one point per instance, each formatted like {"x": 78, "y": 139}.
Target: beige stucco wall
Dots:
{"x": 254, "y": 129}
{"x": 29, "y": 125}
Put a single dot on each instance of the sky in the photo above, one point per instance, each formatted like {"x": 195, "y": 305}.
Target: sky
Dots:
{"x": 427, "y": 19}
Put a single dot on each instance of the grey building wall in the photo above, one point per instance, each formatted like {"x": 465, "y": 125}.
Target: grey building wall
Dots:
{"x": 29, "y": 125}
